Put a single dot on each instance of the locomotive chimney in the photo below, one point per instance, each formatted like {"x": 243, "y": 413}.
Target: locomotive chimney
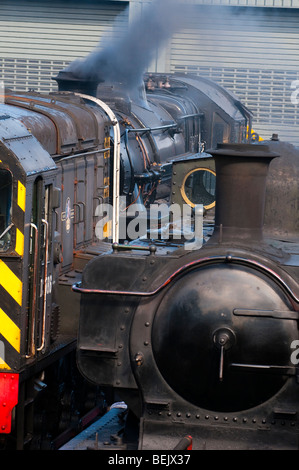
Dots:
{"x": 69, "y": 81}
{"x": 112, "y": 92}
{"x": 241, "y": 173}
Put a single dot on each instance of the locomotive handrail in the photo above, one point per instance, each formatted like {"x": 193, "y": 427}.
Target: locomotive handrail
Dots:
{"x": 80, "y": 204}
{"x": 45, "y": 284}
{"x": 206, "y": 260}
{"x": 33, "y": 308}
{"x": 188, "y": 116}
{"x": 151, "y": 129}
{"x": 116, "y": 163}
{"x": 6, "y": 230}
{"x": 282, "y": 370}
{"x": 100, "y": 200}
{"x": 81, "y": 154}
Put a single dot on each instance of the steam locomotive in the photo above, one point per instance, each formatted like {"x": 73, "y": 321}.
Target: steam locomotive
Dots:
{"x": 63, "y": 156}
{"x": 202, "y": 344}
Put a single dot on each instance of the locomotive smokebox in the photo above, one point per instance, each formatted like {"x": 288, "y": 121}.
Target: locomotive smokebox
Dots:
{"x": 241, "y": 174}
{"x": 69, "y": 81}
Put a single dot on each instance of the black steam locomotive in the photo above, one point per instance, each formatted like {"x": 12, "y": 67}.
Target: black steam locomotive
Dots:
{"x": 202, "y": 344}
{"x": 63, "y": 156}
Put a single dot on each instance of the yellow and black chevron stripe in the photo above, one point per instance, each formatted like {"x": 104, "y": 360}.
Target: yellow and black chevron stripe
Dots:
{"x": 11, "y": 287}
{"x": 21, "y": 198}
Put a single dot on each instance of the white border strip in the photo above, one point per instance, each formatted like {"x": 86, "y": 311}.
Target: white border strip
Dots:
{"x": 116, "y": 163}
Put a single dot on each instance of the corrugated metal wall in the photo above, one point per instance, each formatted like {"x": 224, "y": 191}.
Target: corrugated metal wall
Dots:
{"x": 39, "y": 38}
{"x": 252, "y": 3}
{"x": 254, "y": 52}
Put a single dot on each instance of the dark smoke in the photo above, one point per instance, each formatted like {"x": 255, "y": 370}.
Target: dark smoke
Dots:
{"x": 127, "y": 58}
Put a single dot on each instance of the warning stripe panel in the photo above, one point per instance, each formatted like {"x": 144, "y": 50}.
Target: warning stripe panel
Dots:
{"x": 3, "y": 364}
{"x": 10, "y": 357}
{"x": 21, "y": 195}
{"x": 19, "y": 242}
{"x": 10, "y": 330}
{"x": 19, "y": 218}
{"x": 10, "y": 282}
{"x": 10, "y": 306}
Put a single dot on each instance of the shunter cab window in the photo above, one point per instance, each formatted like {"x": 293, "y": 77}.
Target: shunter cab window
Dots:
{"x": 5, "y": 209}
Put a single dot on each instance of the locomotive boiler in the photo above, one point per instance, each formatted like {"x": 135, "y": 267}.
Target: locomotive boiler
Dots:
{"x": 166, "y": 117}
{"x": 204, "y": 342}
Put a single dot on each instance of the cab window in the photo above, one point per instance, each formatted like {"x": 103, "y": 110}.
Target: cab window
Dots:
{"x": 5, "y": 209}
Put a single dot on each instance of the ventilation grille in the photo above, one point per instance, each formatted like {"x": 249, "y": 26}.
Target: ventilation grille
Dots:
{"x": 267, "y": 93}
{"x": 28, "y": 74}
